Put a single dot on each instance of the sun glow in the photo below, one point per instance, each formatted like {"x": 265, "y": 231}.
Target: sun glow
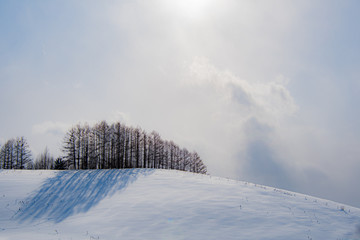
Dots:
{"x": 193, "y": 9}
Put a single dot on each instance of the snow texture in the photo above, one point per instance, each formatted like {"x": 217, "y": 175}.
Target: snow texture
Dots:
{"x": 161, "y": 204}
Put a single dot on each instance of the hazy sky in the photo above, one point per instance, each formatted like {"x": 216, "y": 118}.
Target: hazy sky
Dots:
{"x": 265, "y": 91}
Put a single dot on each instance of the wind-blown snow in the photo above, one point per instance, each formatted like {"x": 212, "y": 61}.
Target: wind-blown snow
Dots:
{"x": 161, "y": 204}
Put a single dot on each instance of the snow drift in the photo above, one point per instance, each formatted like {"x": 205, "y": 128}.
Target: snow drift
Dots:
{"x": 161, "y": 204}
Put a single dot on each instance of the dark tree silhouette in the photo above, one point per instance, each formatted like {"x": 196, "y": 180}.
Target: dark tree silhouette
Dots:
{"x": 118, "y": 146}
{"x": 15, "y": 154}
{"x": 59, "y": 164}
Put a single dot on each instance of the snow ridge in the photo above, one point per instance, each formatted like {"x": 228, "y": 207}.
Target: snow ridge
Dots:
{"x": 161, "y": 204}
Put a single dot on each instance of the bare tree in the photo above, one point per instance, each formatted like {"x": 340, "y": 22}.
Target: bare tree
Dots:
{"x": 44, "y": 161}
{"x": 7, "y": 154}
{"x": 102, "y": 134}
{"x": 69, "y": 148}
{"x": 23, "y": 153}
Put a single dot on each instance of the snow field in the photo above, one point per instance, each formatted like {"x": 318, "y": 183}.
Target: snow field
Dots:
{"x": 161, "y": 204}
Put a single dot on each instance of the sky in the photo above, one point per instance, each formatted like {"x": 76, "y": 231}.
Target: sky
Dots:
{"x": 264, "y": 91}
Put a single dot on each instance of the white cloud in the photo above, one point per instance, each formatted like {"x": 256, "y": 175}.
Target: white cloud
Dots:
{"x": 50, "y": 127}
{"x": 258, "y": 128}
{"x": 234, "y": 118}
{"x": 118, "y": 116}
{"x": 269, "y": 102}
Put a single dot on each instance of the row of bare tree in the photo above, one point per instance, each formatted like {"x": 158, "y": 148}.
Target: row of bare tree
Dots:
{"x": 105, "y": 146}
{"x": 15, "y": 154}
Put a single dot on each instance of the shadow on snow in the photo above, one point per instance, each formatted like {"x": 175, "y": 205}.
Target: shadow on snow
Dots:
{"x": 71, "y": 192}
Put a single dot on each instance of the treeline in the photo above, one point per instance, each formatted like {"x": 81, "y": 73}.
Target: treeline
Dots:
{"x": 15, "y": 154}
{"x": 104, "y": 146}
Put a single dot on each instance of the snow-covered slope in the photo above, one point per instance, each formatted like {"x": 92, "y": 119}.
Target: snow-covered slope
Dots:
{"x": 161, "y": 204}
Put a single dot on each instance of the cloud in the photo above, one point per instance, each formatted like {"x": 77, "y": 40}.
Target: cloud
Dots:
{"x": 262, "y": 163}
{"x": 118, "y": 116}
{"x": 268, "y": 101}
{"x": 246, "y": 118}
{"x": 51, "y": 128}
{"x": 262, "y": 167}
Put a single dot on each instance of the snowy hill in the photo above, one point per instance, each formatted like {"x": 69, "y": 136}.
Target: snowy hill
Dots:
{"x": 161, "y": 204}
